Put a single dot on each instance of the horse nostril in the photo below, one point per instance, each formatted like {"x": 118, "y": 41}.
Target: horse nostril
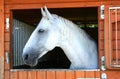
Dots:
{"x": 26, "y": 57}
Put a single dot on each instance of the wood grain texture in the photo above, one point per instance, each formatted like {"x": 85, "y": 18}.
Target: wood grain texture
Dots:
{"x": 1, "y": 28}
{"x": 14, "y": 75}
{"x": 1, "y": 39}
{"x": 7, "y": 74}
{"x": 41, "y": 74}
{"x": 22, "y": 74}
{"x": 7, "y": 37}
{"x": 32, "y": 75}
{"x": 97, "y": 74}
{"x": 41, "y": 1}
{"x": 70, "y": 74}
{"x": 89, "y": 74}
{"x": 1, "y": 67}
{"x": 60, "y": 74}
{"x": 50, "y": 74}
{"x": 79, "y": 74}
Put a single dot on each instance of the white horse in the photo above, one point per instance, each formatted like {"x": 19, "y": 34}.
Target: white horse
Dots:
{"x": 55, "y": 31}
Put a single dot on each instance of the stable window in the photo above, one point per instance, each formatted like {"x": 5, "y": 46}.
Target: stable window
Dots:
{"x": 114, "y": 36}
{"x": 25, "y": 21}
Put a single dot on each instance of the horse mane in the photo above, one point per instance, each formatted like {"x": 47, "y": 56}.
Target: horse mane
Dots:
{"x": 64, "y": 20}
{"x": 71, "y": 24}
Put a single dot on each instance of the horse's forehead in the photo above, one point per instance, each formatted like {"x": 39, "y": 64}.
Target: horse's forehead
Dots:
{"x": 44, "y": 20}
{"x": 48, "y": 23}
{"x": 43, "y": 23}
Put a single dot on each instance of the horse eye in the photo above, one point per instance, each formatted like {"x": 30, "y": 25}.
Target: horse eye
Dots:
{"x": 40, "y": 30}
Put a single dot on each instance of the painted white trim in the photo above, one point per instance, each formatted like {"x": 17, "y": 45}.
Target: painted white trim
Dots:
{"x": 114, "y": 7}
{"x": 52, "y": 70}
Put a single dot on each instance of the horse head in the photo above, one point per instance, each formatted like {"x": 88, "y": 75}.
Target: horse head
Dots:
{"x": 43, "y": 39}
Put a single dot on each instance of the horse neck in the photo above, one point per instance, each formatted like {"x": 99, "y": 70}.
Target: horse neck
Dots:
{"x": 77, "y": 46}
{"x": 71, "y": 40}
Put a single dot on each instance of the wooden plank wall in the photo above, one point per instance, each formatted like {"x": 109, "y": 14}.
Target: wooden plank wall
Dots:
{"x": 7, "y": 38}
{"x": 54, "y": 74}
{"x": 1, "y": 39}
{"x": 44, "y": 1}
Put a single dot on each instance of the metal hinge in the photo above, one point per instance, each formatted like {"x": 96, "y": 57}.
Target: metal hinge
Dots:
{"x": 103, "y": 67}
{"x": 102, "y": 8}
{"x": 7, "y": 58}
{"x": 104, "y": 76}
{"x": 7, "y": 23}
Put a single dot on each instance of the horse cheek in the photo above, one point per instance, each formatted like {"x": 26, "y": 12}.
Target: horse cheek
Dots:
{"x": 51, "y": 42}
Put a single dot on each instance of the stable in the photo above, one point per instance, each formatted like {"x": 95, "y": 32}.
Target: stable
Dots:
{"x": 100, "y": 19}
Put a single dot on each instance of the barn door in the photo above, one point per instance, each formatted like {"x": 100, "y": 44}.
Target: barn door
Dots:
{"x": 112, "y": 37}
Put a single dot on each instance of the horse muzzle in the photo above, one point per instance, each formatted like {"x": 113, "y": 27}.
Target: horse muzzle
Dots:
{"x": 30, "y": 57}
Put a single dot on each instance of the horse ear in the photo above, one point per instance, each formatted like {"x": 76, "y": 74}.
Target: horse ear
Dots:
{"x": 48, "y": 13}
{"x": 43, "y": 12}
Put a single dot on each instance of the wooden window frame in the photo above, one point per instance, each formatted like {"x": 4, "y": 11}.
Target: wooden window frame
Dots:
{"x": 110, "y": 64}
{"x": 9, "y": 9}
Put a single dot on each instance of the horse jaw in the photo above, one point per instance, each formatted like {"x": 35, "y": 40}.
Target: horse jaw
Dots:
{"x": 42, "y": 54}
